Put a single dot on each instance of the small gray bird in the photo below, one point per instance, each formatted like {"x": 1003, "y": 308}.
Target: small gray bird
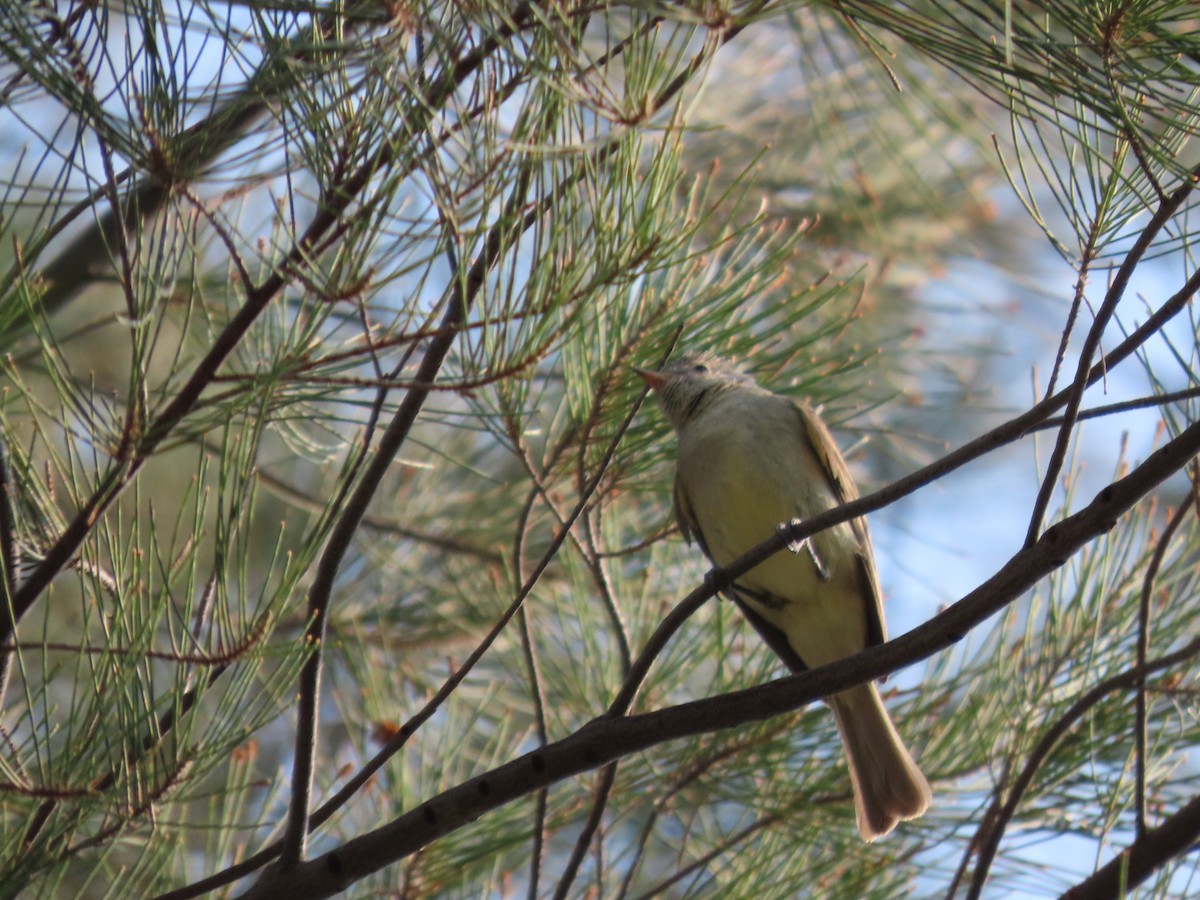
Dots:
{"x": 749, "y": 460}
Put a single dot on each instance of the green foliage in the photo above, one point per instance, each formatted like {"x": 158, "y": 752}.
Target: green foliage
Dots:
{"x": 245, "y": 245}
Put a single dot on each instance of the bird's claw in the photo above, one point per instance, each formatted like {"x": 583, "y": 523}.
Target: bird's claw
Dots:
{"x": 806, "y": 544}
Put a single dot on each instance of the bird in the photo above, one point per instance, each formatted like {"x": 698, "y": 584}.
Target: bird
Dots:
{"x": 748, "y": 461}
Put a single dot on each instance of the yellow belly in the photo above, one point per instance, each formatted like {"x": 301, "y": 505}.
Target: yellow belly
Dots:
{"x": 739, "y": 491}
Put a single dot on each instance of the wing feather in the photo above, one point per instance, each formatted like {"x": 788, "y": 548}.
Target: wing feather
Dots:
{"x": 685, "y": 518}
{"x": 841, "y": 484}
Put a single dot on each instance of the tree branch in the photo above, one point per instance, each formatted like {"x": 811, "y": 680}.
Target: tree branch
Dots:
{"x": 1143, "y": 857}
{"x": 996, "y": 819}
{"x": 1091, "y": 344}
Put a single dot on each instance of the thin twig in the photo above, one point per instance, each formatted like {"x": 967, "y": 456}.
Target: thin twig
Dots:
{"x": 1143, "y": 642}
{"x": 1110, "y": 409}
{"x": 462, "y": 296}
{"x": 1091, "y": 344}
{"x": 537, "y": 694}
{"x": 9, "y": 561}
{"x": 600, "y": 795}
{"x": 1089, "y": 250}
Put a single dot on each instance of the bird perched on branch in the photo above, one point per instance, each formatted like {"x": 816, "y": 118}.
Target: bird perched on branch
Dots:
{"x": 750, "y": 460}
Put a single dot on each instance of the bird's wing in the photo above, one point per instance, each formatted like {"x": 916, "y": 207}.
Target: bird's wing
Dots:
{"x": 772, "y": 636}
{"x": 842, "y": 486}
{"x": 685, "y": 518}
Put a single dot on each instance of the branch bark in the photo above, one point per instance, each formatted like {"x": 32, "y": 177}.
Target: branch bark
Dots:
{"x": 1143, "y": 857}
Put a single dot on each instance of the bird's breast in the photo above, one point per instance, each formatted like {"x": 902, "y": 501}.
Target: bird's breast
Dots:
{"x": 746, "y": 470}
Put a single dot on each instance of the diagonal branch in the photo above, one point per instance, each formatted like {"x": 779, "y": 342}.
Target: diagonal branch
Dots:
{"x": 1141, "y": 859}
{"x": 1143, "y": 643}
{"x": 1091, "y": 344}
{"x": 996, "y": 819}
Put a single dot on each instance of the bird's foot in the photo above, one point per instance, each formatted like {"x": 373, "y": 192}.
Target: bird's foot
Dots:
{"x": 806, "y": 545}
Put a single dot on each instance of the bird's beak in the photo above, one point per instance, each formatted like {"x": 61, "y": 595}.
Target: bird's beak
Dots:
{"x": 651, "y": 377}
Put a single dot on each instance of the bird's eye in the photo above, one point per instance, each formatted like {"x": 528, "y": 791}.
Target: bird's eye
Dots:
{"x": 700, "y": 367}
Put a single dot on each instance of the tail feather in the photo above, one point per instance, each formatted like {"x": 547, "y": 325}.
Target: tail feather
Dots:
{"x": 888, "y": 786}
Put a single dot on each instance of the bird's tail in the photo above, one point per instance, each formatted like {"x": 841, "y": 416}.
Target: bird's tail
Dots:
{"x": 888, "y": 786}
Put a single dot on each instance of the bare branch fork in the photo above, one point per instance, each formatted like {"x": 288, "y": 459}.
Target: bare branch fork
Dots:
{"x": 1166, "y": 211}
